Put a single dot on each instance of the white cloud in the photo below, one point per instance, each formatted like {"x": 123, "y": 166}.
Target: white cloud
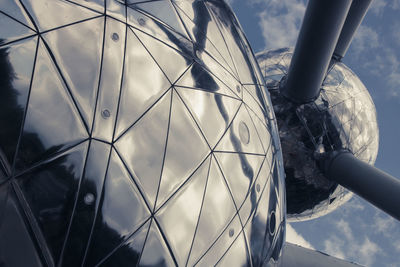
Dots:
{"x": 280, "y": 22}
{"x": 293, "y": 237}
{"x": 345, "y": 244}
{"x": 395, "y": 4}
{"x": 396, "y": 245}
{"x": 377, "y": 7}
{"x": 365, "y": 39}
{"x": 385, "y": 65}
{"x": 368, "y": 248}
{"x": 384, "y": 225}
{"x": 344, "y": 227}
{"x": 334, "y": 247}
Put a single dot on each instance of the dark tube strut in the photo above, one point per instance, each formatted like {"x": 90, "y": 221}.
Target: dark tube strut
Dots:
{"x": 354, "y": 18}
{"x": 319, "y": 33}
{"x": 372, "y": 184}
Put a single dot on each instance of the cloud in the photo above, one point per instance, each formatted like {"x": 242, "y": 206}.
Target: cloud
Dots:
{"x": 384, "y": 224}
{"x": 293, "y": 237}
{"x": 396, "y": 245}
{"x": 344, "y": 227}
{"x": 345, "y": 244}
{"x": 368, "y": 248}
{"x": 334, "y": 247}
{"x": 365, "y": 39}
{"x": 280, "y": 21}
{"x": 395, "y": 4}
{"x": 377, "y": 7}
{"x": 386, "y": 66}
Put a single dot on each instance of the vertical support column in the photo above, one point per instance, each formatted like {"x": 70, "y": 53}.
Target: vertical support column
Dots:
{"x": 372, "y": 184}
{"x": 319, "y": 33}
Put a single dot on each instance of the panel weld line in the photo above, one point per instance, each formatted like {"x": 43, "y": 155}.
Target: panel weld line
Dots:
{"x": 165, "y": 153}
{"x": 97, "y": 209}
{"x": 121, "y": 82}
{"x": 100, "y": 76}
{"x": 38, "y": 235}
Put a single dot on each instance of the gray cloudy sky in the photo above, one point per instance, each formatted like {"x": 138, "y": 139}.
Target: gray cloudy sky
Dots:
{"x": 356, "y": 231}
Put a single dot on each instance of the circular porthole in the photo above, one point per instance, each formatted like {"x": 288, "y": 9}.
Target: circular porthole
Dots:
{"x": 272, "y": 223}
{"x": 141, "y": 21}
{"x": 115, "y": 37}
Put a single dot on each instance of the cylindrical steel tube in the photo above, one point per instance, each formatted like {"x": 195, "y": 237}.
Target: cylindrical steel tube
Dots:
{"x": 354, "y": 18}
{"x": 372, "y": 184}
{"x": 319, "y": 33}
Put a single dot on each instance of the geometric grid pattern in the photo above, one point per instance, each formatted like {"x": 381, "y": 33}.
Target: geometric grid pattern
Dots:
{"x": 134, "y": 132}
{"x": 342, "y": 117}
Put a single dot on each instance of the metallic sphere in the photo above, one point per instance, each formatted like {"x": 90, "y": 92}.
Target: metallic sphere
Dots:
{"x": 342, "y": 117}
{"x": 134, "y": 133}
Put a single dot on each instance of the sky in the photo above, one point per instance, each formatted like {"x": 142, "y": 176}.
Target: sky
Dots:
{"x": 356, "y": 231}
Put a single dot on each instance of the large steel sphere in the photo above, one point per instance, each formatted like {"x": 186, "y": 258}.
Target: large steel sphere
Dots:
{"x": 342, "y": 117}
{"x": 134, "y": 133}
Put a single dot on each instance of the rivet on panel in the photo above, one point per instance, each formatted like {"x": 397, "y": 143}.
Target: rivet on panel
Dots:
{"x": 258, "y": 188}
{"x": 88, "y": 199}
{"x": 105, "y": 113}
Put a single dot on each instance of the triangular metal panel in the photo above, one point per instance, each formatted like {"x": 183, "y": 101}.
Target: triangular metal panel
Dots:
{"x": 15, "y": 85}
{"x": 240, "y": 171}
{"x": 155, "y": 251}
{"x": 241, "y": 136}
{"x": 52, "y": 122}
{"x": 171, "y": 62}
{"x": 212, "y": 112}
{"x": 80, "y": 45}
{"x": 179, "y": 216}
{"x": 143, "y": 83}
{"x": 50, "y": 191}
{"x": 122, "y": 211}
{"x": 217, "y": 211}
{"x": 186, "y": 149}
{"x": 142, "y": 147}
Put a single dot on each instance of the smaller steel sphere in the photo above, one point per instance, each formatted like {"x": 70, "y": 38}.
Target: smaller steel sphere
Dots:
{"x": 342, "y": 117}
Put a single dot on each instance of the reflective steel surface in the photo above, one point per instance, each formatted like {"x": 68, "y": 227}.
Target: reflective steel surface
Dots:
{"x": 342, "y": 117}
{"x": 135, "y": 133}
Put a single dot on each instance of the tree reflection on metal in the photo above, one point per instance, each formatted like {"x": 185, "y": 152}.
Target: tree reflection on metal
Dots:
{"x": 135, "y": 132}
